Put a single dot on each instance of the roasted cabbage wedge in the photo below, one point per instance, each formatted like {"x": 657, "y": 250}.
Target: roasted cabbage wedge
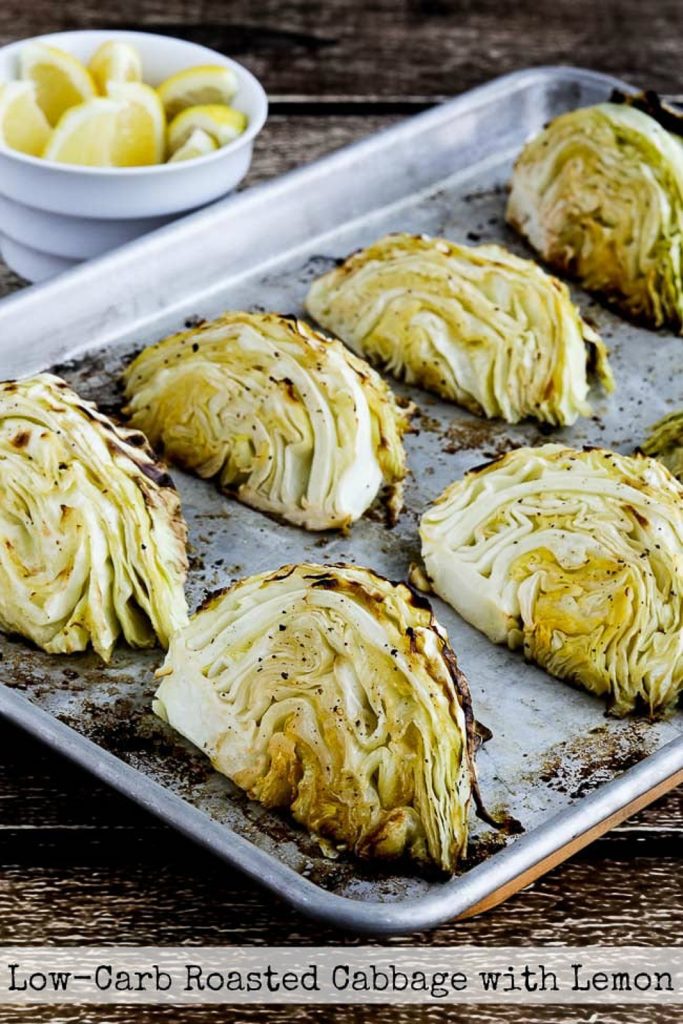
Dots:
{"x": 574, "y": 556}
{"x": 287, "y": 420}
{"x": 332, "y": 693}
{"x": 92, "y": 537}
{"x": 476, "y": 325}
{"x": 599, "y": 194}
{"x": 665, "y": 442}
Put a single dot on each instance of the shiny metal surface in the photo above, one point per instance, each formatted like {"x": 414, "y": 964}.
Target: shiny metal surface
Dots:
{"x": 555, "y": 762}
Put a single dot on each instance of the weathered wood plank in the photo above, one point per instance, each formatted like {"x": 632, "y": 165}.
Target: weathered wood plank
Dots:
{"x": 288, "y": 142}
{"x": 9, "y": 281}
{"x": 393, "y": 48}
{"x": 343, "y": 1015}
{"x": 199, "y": 901}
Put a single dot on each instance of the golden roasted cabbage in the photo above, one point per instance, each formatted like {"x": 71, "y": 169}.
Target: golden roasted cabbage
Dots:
{"x": 93, "y": 540}
{"x": 574, "y": 556}
{"x": 599, "y": 194}
{"x": 665, "y": 442}
{"x": 333, "y": 693}
{"x": 476, "y": 325}
{"x": 286, "y": 419}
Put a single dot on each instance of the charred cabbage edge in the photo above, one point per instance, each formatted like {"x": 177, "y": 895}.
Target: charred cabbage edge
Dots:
{"x": 333, "y": 693}
{"x": 93, "y": 537}
{"x": 288, "y": 421}
{"x": 599, "y": 194}
{"x": 477, "y": 325}
{"x": 665, "y": 442}
{"x": 574, "y": 556}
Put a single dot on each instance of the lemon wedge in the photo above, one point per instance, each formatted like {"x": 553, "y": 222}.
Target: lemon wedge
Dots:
{"x": 141, "y": 131}
{"x": 115, "y": 61}
{"x": 60, "y": 79}
{"x": 23, "y": 125}
{"x": 193, "y": 87}
{"x": 86, "y": 134}
{"x": 199, "y": 144}
{"x": 223, "y": 123}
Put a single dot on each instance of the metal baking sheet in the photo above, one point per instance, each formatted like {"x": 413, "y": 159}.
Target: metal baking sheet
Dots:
{"x": 556, "y": 762}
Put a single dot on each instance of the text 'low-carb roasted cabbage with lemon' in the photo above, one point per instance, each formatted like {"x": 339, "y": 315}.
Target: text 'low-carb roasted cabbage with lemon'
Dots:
{"x": 288, "y": 421}
{"x": 332, "y": 693}
{"x": 574, "y": 556}
{"x": 665, "y": 442}
{"x": 599, "y": 194}
{"x": 476, "y": 325}
{"x": 93, "y": 541}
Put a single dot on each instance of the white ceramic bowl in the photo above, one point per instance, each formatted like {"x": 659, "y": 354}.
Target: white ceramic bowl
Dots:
{"x": 55, "y": 215}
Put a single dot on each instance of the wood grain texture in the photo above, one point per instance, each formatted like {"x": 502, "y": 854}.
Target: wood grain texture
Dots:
{"x": 288, "y": 141}
{"x": 197, "y": 900}
{"x": 392, "y": 49}
{"x": 345, "y": 1015}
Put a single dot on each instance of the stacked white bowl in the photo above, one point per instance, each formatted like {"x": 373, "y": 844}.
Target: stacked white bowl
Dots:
{"x": 54, "y": 215}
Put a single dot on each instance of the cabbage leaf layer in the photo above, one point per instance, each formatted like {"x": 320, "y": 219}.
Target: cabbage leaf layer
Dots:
{"x": 599, "y": 194}
{"x": 665, "y": 442}
{"x": 333, "y": 693}
{"x": 476, "y": 325}
{"x": 93, "y": 541}
{"x": 288, "y": 421}
{"x": 574, "y": 556}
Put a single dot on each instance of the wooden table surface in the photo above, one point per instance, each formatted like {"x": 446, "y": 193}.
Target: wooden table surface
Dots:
{"x": 80, "y": 864}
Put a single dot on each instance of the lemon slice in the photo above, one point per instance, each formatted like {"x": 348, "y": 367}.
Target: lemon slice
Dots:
{"x": 86, "y": 134}
{"x": 141, "y": 132}
{"x": 208, "y": 83}
{"x": 23, "y": 125}
{"x": 61, "y": 81}
{"x": 199, "y": 144}
{"x": 223, "y": 123}
{"x": 115, "y": 61}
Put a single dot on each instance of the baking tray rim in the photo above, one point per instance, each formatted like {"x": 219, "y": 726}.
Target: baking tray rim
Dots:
{"x": 483, "y": 885}
{"x": 463, "y": 895}
{"x": 27, "y": 302}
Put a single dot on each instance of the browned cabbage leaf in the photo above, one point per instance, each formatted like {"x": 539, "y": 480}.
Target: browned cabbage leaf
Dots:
{"x": 93, "y": 537}
{"x": 332, "y": 693}
{"x": 287, "y": 420}
{"x": 475, "y": 324}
